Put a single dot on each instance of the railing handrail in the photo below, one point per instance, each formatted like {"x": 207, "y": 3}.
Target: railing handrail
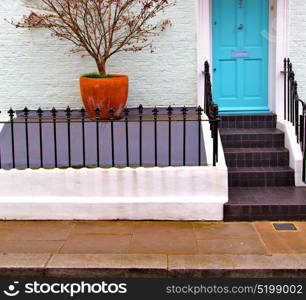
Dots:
{"x": 211, "y": 109}
{"x": 292, "y": 113}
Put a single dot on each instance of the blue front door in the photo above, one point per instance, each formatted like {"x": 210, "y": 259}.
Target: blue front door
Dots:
{"x": 240, "y": 55}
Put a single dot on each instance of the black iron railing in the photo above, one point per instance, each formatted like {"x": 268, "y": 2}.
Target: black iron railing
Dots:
{"x": 295, "y": 109}
{"x": 68, "y": 138}
{"x": 211, "y": 110}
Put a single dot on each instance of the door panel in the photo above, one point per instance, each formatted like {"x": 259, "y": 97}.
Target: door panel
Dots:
{"x": 240, "y": 55}
{"x": 252, "y": 88}
{"x": 228, "y": 84}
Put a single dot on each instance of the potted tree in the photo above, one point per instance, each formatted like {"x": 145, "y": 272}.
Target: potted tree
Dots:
{"x": 100, "y": 29}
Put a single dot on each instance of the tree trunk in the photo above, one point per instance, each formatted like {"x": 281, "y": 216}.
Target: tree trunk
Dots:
{"x": 101, "y": 64}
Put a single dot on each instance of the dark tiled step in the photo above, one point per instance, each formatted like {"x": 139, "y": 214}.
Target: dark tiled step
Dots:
{"x": 262, "y": 176}
{"x": 266, "y": 203}
{"x": 248, "y": 121}
{"x": 252, "y": 138}
{"x": 256, "y": 157}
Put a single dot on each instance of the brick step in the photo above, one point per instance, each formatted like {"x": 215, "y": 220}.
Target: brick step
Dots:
{"x": 264, "y": 212}
{"x": 256, "y": 157}
{"x": 266, "y": 204}
{"x": 248, "y": 121}
{"x": 260, "y": 176}
{"x": 252, "y": 138}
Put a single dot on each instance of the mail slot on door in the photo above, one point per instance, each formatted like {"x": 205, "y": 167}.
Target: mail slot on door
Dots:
{"x": 240, "y": 54}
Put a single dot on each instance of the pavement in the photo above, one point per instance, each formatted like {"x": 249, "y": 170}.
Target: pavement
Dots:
{"x": 151, "y": 249}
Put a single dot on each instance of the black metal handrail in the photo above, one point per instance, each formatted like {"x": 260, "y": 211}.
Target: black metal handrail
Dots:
{"x": 211, "y": 109}
{"x": 295, "y": 109}
{"x": 45, "y": 131}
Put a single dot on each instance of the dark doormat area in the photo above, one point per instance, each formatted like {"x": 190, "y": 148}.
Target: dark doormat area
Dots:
{"x": 103, "y": 151}
{"x": 266, "y": 204}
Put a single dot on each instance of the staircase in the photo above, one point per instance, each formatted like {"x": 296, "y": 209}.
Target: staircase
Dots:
{"x": 254, "y": 151}
{"x": 261, "y": 183}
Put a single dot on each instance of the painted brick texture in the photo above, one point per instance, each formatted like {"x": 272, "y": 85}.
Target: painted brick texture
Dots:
{"x": 36, "y": 72}
{"x": 297, "y": 42}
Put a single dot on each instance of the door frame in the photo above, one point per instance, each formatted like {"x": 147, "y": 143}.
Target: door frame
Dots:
{"x": 278, "y": 48}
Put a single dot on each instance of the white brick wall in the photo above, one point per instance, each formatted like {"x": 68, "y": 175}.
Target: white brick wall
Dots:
{"x": 297, "y": 42}
{"x": 36, "y": 72}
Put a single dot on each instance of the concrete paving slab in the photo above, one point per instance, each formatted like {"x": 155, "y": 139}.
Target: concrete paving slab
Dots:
{"x": 97, "y": 243}
{"x": 281, "y": 242}
{"x": 220, "y": 230}
{"x": 23, "y": 265}
{"x": 266, "y": 262}
{"x": 24, "y": 260}
{"x": 200, "y": 262}
{"x": 235, "y": 266}
{"x": 106, "y": 227}
{"x": 107, "y": 265}
{"x": 40, "y": 230}
{"x": 199, "y": 266}
{"x": 108, "y": 261}
{"x": 29, "y": 246}
{"x": 231, "y": 246}
{"x": 164, "y": 237}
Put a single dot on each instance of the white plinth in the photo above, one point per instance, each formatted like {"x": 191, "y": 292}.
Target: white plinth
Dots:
{"x": 175, "y": 193}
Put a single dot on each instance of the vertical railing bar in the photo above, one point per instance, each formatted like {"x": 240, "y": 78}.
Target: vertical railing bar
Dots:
{"x": 11, "y": 113}
{"x": 217, "y": 137}
{"x": 98, "y": 113}
{"x": 111, "y": 114}
{"x": 214, "y": 143}
{"x": 206, "y": 88}
{"x": 0, "y": 158}
{"x": 291, "y": 96}
{"x": 287, "y": 92}
{"x": 296, "y": 112}
{"x": 304, "y": 167}
{"x": 170, "y": 111}
{"x": 297, "y": 121}
{"x": 68, "y": 115}
{"x": 205, "y": 93}
{"x": 26, "y": 116}
{"x": 199, "y": 111}
{"x": 40, "y": 113}
{"x": 292, "y": 99}
{"x": 126, "y": 114}
{"x": 288, "y": 86}
{"x": 304, "y": 144}
{"x": 302, "y": 131}
{"x": 285, "y": 89}
{"x": 54, "y": 112}
{"x": 83, "y": 136}
{"x": 184, "y": 110}
{"x": 299, "y": 126}
{"x": 140, "y": 110}
{"x": 155, "y": 114}
{"x": 215, "y": 134}
{"x": 0, "y": 152}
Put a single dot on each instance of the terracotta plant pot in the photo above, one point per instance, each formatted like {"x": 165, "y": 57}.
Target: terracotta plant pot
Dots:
{"x": 105, "y": 94}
